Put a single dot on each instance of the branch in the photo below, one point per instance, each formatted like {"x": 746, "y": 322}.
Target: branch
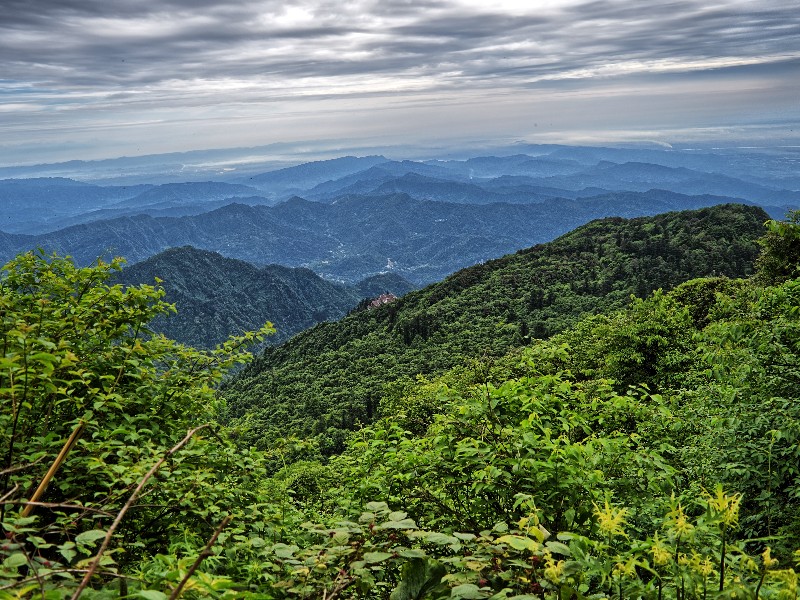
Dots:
{"x": 21, "y": 467}
{"x": 474, "y": 524}
{"x": 345, "y": 580}
{"x": 20, "y": 582}
{"x": 62, "y": 456}
{"x": 128, "y": 504}
{"x": 63, "y": 505}
{"x": 10, "y": 493}
{"x": 206, "y": 552}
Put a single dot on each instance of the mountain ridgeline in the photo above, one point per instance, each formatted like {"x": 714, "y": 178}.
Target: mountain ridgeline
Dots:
{"x": 330, "y": 378}
{"x": 356, "y": 236}
{"x": 350, "y": 218}
{"x": 45, "y": 204}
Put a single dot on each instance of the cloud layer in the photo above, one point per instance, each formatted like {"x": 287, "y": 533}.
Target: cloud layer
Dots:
{"x": 95, "y": 74}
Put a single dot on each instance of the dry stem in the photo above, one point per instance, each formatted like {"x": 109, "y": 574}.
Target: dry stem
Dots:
{"x": 54, "y": 467}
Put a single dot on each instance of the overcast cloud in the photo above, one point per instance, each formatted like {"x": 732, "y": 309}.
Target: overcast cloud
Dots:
{"x": 95, "y": 78}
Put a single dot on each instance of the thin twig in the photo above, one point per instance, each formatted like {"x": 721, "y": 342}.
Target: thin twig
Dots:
{"x": 10, "y": 493}
{"x": 33, "y": 569}
{"x": 128, "y": 504}
{"x": 345, "y": 581}
{"x": 206, "y": 552}
{"x": 105, "y": 513}
{"x": 22, "y": 467}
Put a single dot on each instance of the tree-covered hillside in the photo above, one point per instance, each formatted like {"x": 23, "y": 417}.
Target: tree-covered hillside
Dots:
{"x": 356, "y": 236}
{"x": 332, "y": 377}
{"x": 216, "y": 297}
{"x": 646, "y": 452}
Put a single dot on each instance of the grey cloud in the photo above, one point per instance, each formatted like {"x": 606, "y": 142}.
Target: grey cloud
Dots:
{"x": 689, "y": 29}
{"x": 87, "y": 56}
{"x": 420, "y": 32}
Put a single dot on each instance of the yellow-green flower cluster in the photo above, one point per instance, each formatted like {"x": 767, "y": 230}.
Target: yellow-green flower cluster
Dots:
{"x": 611, "y": 520}
{"x": 678, "y": 523}
{"x": 789, "y": 580}
{"x": 726, "y": 507}
{"x": 661, "y": 553}
{"x": 766, "y": 558}
{"x": 553, "y": 570}
{"x": 626, "y": 569}
{"x": 700, "y": 564}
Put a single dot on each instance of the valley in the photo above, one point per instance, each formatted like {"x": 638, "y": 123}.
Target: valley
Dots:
{"x": 351, "y": 218}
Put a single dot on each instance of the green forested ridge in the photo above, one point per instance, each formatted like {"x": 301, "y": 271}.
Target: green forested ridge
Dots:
{"x": 333, "y": 376}
{"x": 649, "y": 451}
{"x": 217, "y": 297}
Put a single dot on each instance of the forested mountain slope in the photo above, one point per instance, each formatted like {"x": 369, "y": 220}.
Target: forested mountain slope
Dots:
{"x": 333, "y": 376}
{"x": 38, "y": 204}
{"x": 217, "y": 297}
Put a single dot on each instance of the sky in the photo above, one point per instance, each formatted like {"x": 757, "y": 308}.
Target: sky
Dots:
{"x": 90, "y": 79}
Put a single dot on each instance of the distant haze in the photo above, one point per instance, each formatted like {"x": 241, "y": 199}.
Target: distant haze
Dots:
{"x": 95, "y": 79}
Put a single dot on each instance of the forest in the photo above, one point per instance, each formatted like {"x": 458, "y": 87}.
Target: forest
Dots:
{"x": 332, "y": 377}
{"x": 611, "y": 415}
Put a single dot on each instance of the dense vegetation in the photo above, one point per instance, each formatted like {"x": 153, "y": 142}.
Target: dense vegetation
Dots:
{"x": 332, "y": 377}
{"x": 648, "y": 451}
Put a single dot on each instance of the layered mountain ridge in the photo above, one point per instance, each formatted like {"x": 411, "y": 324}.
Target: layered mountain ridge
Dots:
{"x": 354, "y": 237}
{"x": 352, "y": 217}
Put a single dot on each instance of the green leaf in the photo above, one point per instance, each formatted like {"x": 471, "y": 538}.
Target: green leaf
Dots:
{"x": 440, "y": 538}
{"x": 376, "y": 557}
{"x": 67, "y": 551}
{"x": 15, "y": 560}
{"x": 284, "y": 551}
{"x": 151, "y": 595}
{"x": 569, "y": 516}
{"x": 403, "y": 524}
{"x": 519, "y": 543}
{"x": 417, "y": 580}
{"x": 467, "y": 591}
{"x": 559, "y": 548}
{"x": 341, "y": 537}
{"x": 413, "y": 553}
{"x": 89, "y": 537}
